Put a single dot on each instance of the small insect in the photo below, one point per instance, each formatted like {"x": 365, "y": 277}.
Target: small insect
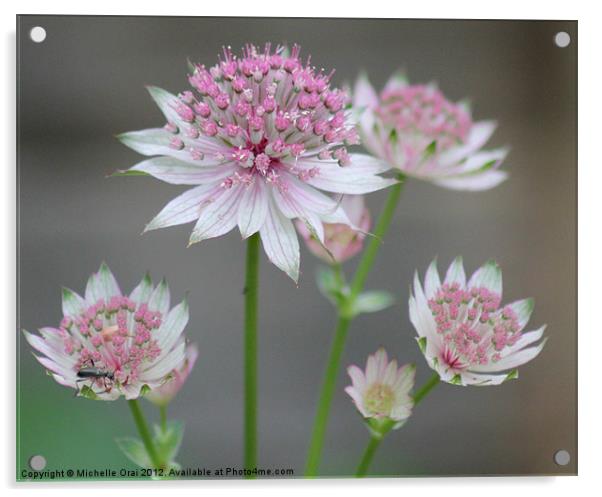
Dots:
{"x": 93, "y": 373}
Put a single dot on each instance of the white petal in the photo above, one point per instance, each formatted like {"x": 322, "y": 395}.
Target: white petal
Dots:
{"x": 478, "y": 136}
{"x": 143, "y": 290}
{"x": 160, "y": 298}
{"x": 489, "y": 275}
{"x": 168, "y": 363}
{"x": 177, "y": 172}
{"x": 219, "y": 216}
{"x": 513, "y": 360}
{"x": 184, "y": 208}
{"x": 253, "y": 209}
{"x": 280, "y": 241}
{"x": 364, "y": 95}
{"x": 172, "y": 328}
{"x": 73, "y": 304}
{"x": 432, "y": 282}
{"x": 474, "y": 182}
{"x": 455, "y": 273}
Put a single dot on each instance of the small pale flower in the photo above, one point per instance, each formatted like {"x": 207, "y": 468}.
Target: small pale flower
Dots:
{"x": 424, "y": 135}
{"x": 110, "y": 344}
{"x": 165, "y": 393}
{"x": 467, "y": 336}
{"x": 341, "y": 240}
{"x": 262, "y": 138}
{"x": 381, "y": 393}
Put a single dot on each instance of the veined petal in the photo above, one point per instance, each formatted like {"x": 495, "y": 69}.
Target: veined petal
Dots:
{"x": 480, "y": 162}
{"x": 513, "y": 360}
{"x": 474, "y": 182}
{"x": 219, "y": 216}
{"x": 160, "y": 298}
{"x": 158, "y": 370}
{"x": 280, "y": 241}
{"x": 143, "y": 290}
{"x": 357, "y": 178}
{"x": 525, "y": 340}
{"x": 455, "y": 273}
{"x": 523, "y": 309}
{"x": 73, "y": 304}
{"x": 172, "y": 328}
{"x": 105, "y": 283}
{"x": 477, "y": 137}
{"x": 364, "y": 94}
{"x": 431, "y": 280}
{"x": 184, "y": 208}
{"x": 177, "y": 172}
{"x": 397, "y": 80}
{"x": 253, "y": 209}
{"x": 489, "y": 275}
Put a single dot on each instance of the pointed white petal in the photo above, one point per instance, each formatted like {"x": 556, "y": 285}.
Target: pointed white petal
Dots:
{"x": 280, "y": 241}
{"x": 455, "y": 273}
{"x": 489, "y": 275}
{"x": 432, "y": 282}
{"x": 219, "y": 216}
{"x": 253, "y": 209}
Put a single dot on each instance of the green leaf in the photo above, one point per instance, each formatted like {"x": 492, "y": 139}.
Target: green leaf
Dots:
{"x": 456, "y": 380}
{"x": 128, "y": 172}
{"x": 430, "y": 150}
{"x": 373, "y": 301}
{"x": 134, "y": 450}
{"x": 168, "y": 441}
{"x": 512, "y": 375}
{"x": 88, "y": 393}
{"x": 331, "y": 285}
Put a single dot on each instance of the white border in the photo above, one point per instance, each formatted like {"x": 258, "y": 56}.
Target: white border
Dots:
{"x": 590, "y": 247}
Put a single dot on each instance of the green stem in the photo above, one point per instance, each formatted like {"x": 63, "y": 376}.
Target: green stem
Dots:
{"x": 344, "y": 320}
{"x": 145, "y": 434}
{"x": 163, "y": 415}
{"x": 250, "y": 344}
{"x": 373, "y": 444}
{"x": 422, "y": 392}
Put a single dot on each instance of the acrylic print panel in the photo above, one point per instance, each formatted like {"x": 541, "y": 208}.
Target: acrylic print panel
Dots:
{"x": 401, "y": 142}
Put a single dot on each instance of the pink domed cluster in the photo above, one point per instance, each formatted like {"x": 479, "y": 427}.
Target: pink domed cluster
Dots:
{"x": 109, "y": 344}
{"x": 423, "y": 111}
{"x": 267, "y": 107}
{"x": 117, "y": 336}
{"x": 465, "y": 333}
{"x": 464, "y": 318}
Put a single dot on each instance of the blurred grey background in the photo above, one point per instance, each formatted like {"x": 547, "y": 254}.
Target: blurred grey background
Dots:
{"x": 85, "y": 83}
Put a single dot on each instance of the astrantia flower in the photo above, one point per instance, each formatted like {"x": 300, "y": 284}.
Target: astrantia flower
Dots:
{"x": 262, "y": 136}
{"x": 382, "y": 392}
{"x": 130, "y": 343}
{"x": 341, "y": 240}
{"x": 465, "y": 333}
{"x": 165, "y": 393}
{"x": 417, "y": 130}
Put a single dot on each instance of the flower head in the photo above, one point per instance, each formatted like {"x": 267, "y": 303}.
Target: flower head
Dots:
{"x": 382, "y": 393}
{"x": 341, "y": 240}
{"x": 109, "y": 344}
{"x": 467, "y": 336}
{"x": 423, "y": 134}
{"x": 165, "y": 393}
{"x": 263, "y": 137}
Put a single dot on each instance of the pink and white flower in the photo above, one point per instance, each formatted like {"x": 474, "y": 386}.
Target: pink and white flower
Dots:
{"x": 135, "y": 341}
{"x": 382, "y": 392}
{"x": 165, "y": 393}
{"x": 424, "y": 135}
{"x": 465, "y": 333}
{"x": 262, "y": 137}
{"x": 341, "y": 241}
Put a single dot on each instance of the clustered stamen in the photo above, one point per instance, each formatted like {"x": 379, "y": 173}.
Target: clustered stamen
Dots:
{"x": 268, "y": 109}
{"x": 114, "y": 336}
{"x": 423, "y": 112}
{"x": 473, "y": 327}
